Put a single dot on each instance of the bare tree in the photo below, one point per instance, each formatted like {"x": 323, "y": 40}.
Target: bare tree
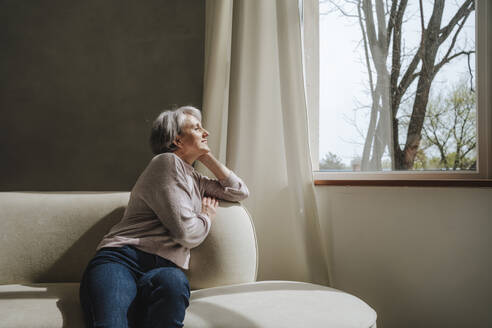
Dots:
{"x": 381, "y": 24}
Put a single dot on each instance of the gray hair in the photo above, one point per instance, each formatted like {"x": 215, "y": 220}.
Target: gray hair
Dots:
{"x": 167, "y": 126}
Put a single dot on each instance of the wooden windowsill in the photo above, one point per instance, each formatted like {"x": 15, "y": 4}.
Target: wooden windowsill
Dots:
{"x": 407, "y": 183}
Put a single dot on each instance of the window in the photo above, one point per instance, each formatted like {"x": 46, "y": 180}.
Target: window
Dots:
{"x": 396, "y": 92}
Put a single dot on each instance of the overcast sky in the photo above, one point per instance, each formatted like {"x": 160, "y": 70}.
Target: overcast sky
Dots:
{"x": 343, "y": 75}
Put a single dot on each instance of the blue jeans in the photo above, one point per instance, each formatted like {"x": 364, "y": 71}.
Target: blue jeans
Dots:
{"x": 126, "y": 287}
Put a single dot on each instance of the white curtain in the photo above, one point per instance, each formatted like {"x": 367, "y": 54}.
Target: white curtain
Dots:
{"x": 254, "y": 105}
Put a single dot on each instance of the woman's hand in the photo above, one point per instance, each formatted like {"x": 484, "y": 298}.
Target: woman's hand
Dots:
{"x": 203, "y": 158}
{"x": 216, "y": 167}
{"x": 209, "y": 207}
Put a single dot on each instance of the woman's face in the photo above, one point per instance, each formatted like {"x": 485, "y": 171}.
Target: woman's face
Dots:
{"x": 193, "y": 137}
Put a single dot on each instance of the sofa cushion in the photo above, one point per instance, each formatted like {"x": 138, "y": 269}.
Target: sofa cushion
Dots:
{"x": 260, "y": 304}
{"x": 40, "y": 306}
{"x": 273, "y": 304}
{"x": 50, "y": 237}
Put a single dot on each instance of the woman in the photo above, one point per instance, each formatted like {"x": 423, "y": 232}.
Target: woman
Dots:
{"x": 136, "y": 277}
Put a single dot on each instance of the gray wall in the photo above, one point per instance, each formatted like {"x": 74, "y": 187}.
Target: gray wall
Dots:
{"x": 81, "y": 81}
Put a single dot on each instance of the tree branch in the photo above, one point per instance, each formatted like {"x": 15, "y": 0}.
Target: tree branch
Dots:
{"x": 382, "y": 37}
{"x": 366, "y": 52}
{"x": 341, "y": 10}
{"x": 455, "y": 36}
{"x": 448, "y": 59}
{"x": 409, "y": 75}
{"x": 465, "y": 9}
{"x": 391, "y": 19}
{"x": 371, "y": 31}
{"x": 471, "y": 147}
{"x": 471, "y": 75}
{"x": 422, "y": 20}
{"x": 396, "y": 55}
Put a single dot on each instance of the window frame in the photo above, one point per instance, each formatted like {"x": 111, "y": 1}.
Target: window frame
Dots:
{"x": 483, "y": 33}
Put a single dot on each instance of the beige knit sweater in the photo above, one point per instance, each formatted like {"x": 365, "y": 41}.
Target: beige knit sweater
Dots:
{"x": 164, "y": 216}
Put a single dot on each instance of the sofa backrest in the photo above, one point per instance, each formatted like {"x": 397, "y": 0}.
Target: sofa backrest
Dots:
{"x": 51, "y": 236}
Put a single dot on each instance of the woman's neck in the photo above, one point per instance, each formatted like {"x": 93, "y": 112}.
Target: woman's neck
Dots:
{"x": 187, "y": 158}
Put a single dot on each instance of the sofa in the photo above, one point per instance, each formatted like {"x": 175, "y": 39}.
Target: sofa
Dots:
{"x": 47, "y": 238}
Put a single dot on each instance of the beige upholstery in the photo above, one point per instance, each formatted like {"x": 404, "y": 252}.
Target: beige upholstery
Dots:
{"x": 46, "y": 239}
{"x": 40, "y": 306}
{"x": 50, "y": 237}
{"x": 229, "y": 254}
{"x": 266, "y": 304}
{"x": 275, "y": 304}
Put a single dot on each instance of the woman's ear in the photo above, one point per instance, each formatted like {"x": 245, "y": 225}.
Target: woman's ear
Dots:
{"x": 177, "y": 142}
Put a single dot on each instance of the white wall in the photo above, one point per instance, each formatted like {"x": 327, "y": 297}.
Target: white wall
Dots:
{"x": 419, "y": 256}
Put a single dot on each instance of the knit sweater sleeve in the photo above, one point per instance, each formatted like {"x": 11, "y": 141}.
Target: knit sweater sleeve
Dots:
{"x": 231, "y": 188}
{"x": 167, "y": 192}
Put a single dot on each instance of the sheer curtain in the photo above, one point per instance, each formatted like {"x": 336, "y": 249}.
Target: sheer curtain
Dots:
{"x": 254, "y": 105}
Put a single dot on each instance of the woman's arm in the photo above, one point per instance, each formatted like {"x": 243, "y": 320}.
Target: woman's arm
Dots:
{"x": 216, "y": 167}
{"x": 228, "y": 186}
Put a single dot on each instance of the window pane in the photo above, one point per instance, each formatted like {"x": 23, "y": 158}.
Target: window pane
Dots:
{"x": 394, "y": 97}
